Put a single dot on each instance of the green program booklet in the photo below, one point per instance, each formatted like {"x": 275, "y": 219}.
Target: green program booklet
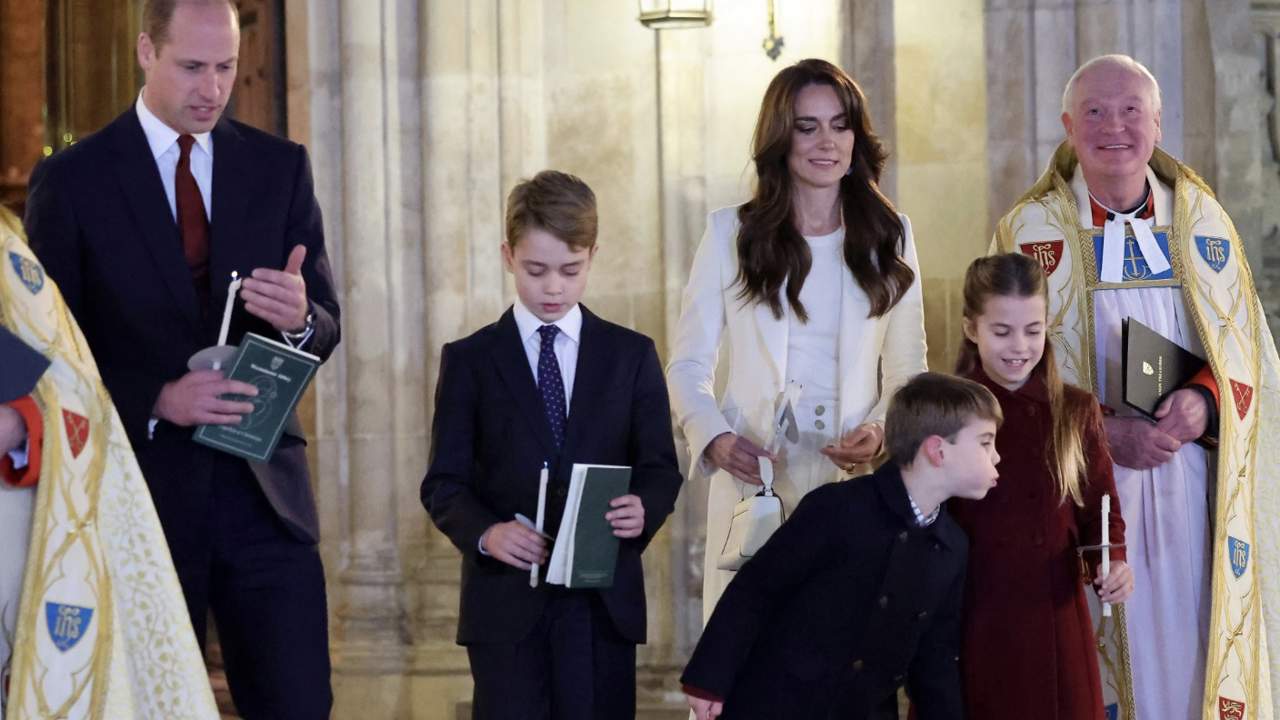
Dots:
{"x": 281, "y": 375}
{"x": 586, "y": 550}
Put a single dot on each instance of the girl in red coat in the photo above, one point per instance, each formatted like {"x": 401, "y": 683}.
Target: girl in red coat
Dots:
{"x": 1028, "y": 649}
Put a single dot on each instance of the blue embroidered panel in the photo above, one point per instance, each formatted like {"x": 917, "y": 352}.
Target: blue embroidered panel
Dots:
{"x": 1135, "y": 266}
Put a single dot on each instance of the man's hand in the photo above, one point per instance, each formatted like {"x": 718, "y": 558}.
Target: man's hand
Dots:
{"x": 859, "y": 445}
{"x": 627, "y": 516}
{"x": 13, "y": 430}
{"x": 514, "y": 544}
{"x": 279, "y": 297}
{"x": 193, "y": 399}
{"x": 737, "y": 455}
{"x": 1137, "y": 443}
{"x": 705, "y": 709}
{"x": 1183, "y": 415}
{"x": 1117, "y": 586}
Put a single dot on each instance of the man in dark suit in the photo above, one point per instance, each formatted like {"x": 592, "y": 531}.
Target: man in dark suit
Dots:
{"x": 141, "y": 225}
{"x": 501, "y": 401}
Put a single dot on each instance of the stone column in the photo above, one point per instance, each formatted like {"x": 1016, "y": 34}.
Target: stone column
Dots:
{"x": 682, "y": 187}
{"x": 1241, "y": 104}
{"x": 867, "y": 49}
{"x": 1267, "y": 19}
{"x": 371, "y": 624}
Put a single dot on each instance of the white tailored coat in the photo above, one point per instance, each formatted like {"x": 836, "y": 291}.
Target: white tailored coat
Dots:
{"x": 889, "y": 347}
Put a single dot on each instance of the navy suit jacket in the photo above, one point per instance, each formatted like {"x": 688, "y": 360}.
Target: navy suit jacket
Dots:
{"x": 99, "y": 221}
{"x": 490, "y": 437}
{"x": 848, "y": 600}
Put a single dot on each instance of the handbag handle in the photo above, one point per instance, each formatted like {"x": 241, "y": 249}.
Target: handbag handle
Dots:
{"x": 766, "y": 474}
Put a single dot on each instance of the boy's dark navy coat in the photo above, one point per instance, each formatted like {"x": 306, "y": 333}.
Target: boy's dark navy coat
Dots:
{"x": 846, "y": 602}
{"x": 490, "y": 437}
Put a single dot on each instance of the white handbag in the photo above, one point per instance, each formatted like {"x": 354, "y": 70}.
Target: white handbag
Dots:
{"x": 754, "y": 520}
{"x": 757, "y": 517}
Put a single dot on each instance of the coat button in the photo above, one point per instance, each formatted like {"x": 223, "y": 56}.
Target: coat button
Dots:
{"x": 922, "y": 614}
{"x": 897, "y": 678}
{"x": 902, "y": 536}
{"x": 819, "y": 424}
{"x": 561, "y": 491}
{"x": 819, "y": 410}
{"x": 883, "y": 601}
{"x": 857, "y": 665}
{"x": 935, "y": 547}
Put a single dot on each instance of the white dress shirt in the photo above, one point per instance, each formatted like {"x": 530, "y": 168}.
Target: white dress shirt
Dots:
{"x": 163, "y": 141}
{"x": 566, "y": 350}
{"x": 164, "y": 148}
{"x": 21, "y": 455}
{"x": 811, "y": 346}
{"x": 566, "y": 343}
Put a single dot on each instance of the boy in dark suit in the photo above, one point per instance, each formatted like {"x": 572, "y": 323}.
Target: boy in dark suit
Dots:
{"x": 859, "y": 591}
{"x": 501, "y": 402}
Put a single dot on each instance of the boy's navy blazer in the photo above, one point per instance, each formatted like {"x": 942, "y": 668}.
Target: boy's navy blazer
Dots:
{"x": 848, "y": 600}
{"x": 99, "y": 221}
{"x": 490, "y": 437}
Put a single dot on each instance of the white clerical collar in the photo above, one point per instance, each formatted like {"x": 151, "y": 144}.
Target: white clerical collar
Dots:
{"x": 160, "y": 136}
{"x": 528, "y": 323}
{"x": 1111, "y": 265}
{"x": 1161, "y": 198}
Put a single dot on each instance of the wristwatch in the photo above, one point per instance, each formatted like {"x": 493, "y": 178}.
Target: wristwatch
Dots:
{"x": 307, "y": 327}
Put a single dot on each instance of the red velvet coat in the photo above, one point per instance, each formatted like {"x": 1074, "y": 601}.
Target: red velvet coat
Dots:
{"x": 1028, "y": 648}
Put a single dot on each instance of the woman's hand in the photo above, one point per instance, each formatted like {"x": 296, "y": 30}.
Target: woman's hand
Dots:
{"x": 859, "y": 445}
{"x": 737, "y": 455}
{"x": 1117, "y": 586}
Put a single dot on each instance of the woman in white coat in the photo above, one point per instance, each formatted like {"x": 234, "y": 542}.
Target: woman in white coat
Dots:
{"x": 815, "y": 281}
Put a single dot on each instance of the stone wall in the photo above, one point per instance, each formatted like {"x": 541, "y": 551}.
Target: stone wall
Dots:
{"x": 1266, "y": 16}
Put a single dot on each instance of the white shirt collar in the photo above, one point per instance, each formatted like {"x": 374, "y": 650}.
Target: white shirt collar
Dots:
{"x": 528, "y": 323}
{"x": 160, "y": 136}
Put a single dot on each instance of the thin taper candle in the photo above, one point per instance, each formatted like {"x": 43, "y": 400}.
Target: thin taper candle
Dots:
{"x": 542, "y": 511}
{"x": 232, "y": 289}
{"x": 1106, "y": 547}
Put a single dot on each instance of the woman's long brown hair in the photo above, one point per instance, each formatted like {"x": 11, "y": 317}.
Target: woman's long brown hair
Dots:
{"x": 771, "y": 251}
{"x": 1017, "y": 275}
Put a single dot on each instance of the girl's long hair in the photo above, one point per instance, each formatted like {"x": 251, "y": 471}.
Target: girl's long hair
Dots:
{"x": 771, "y": 251}
{"x": 1017, "y": 275}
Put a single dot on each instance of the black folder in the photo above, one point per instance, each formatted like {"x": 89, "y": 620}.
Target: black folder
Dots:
{"x": 20, "y": 367}
{"x": 1154, "y": 366}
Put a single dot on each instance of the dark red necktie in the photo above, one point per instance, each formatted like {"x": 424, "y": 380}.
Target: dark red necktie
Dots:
{"x": 193, "y": 224}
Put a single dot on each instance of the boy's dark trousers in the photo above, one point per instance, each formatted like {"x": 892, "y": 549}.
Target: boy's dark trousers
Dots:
{"x": 573, "y": 666}
{"x": 529, "y": 647}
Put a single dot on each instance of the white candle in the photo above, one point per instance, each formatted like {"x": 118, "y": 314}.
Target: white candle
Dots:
{"x": 1106, "y": 547}
{"x": 232, "y": 289}
{"x": 542, "y": 511}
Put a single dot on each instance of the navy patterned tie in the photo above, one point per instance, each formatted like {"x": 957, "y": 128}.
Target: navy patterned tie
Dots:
{"x": 550, "y": 383}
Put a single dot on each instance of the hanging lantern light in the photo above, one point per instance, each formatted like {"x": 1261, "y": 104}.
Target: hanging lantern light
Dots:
{"x": 673, "y": 14}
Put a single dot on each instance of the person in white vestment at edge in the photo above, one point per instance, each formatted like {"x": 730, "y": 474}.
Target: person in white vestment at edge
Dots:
{"x": 92, "y": 621}
{"x": 813, "y": 281}
{"x": 1128, "y": 233}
